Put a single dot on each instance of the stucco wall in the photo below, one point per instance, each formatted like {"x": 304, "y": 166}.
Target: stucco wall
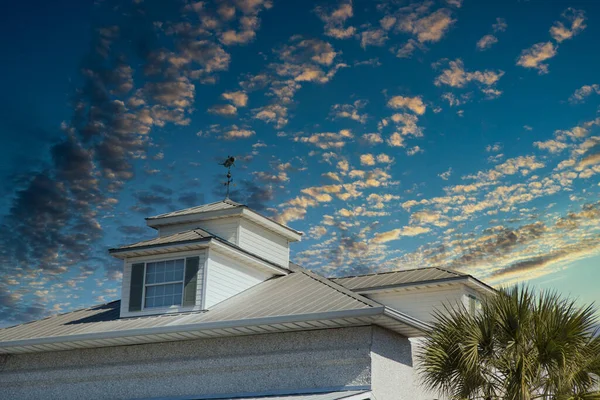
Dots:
{"x": 282, "y": 361}
{"x": 393, "y": 376}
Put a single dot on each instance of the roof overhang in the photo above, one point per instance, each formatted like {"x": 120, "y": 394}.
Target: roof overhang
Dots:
{"x": 466, "y": 280}
{"x": 242, "y": 211}
{"x": 383, "y": 316}
{"x": 220, "y": 245}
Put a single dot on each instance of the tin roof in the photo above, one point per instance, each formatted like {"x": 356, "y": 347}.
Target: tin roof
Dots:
{"x": 298, "y": 293}
{"x": 216, "y": 206}
{"x": 192, "y": 235}
{"x": 394, "y": 278}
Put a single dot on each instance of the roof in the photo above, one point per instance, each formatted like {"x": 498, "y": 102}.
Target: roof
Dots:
{"x": 216, "y": 206}
{"x": 299, "y": 301}
{"x": 192, "y": 235}
{"x": 221, "y": 209}
{"x": 408, "y": 276}
{"x": 338, "y": 395}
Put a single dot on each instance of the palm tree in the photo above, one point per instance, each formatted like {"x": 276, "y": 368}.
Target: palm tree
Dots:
{"x": 518, "y": 346}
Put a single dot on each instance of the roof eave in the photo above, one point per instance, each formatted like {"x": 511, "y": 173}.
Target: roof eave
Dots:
{"x": 152, "y": 334}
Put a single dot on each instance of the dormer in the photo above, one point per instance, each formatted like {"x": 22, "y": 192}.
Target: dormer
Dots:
{"x": 202, "y": 256}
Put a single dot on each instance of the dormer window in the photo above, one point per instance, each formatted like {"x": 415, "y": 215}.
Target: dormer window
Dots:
{"x": 164, "y": 283}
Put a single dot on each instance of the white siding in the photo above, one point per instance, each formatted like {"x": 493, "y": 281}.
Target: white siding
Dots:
{"x": 264, "y": 243}
{"x": 421, "y": 303}
{"x": 125, "y": 286}
{"x": 226, "y": 277}
{"x": 225, "y": 228}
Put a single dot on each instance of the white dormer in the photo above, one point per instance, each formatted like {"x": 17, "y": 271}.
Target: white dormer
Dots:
{"x": 201, "y": 257}
{"x": 234, "y": 223}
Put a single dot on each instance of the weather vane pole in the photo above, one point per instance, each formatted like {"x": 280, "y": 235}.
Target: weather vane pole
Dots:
{"x": 229, "y": 162}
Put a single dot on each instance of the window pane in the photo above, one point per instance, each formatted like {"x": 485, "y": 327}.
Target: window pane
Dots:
{"x": 163, "y": 295}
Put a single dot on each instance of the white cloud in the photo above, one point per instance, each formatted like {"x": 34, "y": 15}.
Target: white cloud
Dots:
{"x": 457, "y": 76}
{"x": 415, "y": 104}
{"x": 373, "y": 37}
{"x": 239, "y": 98}
{"x": 446, "y": 174}
{"x": 486, "y": 42}
{"x": 584, "y": 92}
{"x": 351, "y": 111}
{"x": 560, "y": 32}
{"x": 226, "y": 110}
{"x": 335, "y": 20}
{"x": 396, "y": 234}
{"x": 535, "y": 56}
{"x": 237, "y": 133}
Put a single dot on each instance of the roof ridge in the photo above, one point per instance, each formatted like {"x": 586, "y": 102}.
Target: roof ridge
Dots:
{"x": 337, "y": 287}
{"x": 226, "y": 201}
{"x": 397, "y": 271}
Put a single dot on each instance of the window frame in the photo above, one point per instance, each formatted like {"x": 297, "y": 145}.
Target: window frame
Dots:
{"x": 172, "y": 306}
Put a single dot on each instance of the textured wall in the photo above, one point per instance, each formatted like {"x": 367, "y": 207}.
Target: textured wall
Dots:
{"x": 393, "y": 375}
{"x": 281, "y": 361}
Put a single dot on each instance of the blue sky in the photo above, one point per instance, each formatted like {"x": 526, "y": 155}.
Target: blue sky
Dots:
{"x": 395, "y": 134}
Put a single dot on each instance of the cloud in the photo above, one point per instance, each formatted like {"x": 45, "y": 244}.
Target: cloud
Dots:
{"x": 224, "y": 110}
{"x": 239, "y": 98}
{"x": 581, "y": 94}
{"x": 273, "y": 113}
{"x": 327, "y": 140}
{"x": 396, "y": 234}
{"x": 486, "y": 42}
{"x": 429, "y": 28}
{"x": 456, "y": 76}
{"x": 350, "y": 111}
{"x": 551, "y": 145}
{"x": 446, "y": 174}
{"x": 535, "y": 56}
{"x": 335, "y": 19}
{"x": 560, "y": 32}
{"x": 415, "y": 104}
{"x": 373, "y": 37}
{"x": 500, "y": 25}
{"x": 235, "y": 132}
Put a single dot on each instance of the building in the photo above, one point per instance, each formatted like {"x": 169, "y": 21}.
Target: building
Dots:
{"x": 212, "y": 308}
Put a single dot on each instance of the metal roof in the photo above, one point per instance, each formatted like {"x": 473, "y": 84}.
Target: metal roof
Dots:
{"x": 347, "y": 394}
{"x": 404, "y": 277}
{"x": 192, "y": 235}
{"x": 216, "y": 206}
{"x": 296, "y": 294}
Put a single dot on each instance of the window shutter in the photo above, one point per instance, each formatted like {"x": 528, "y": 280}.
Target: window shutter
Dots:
{"x": 136, "y": 287}
{"x": 191, "y": 281}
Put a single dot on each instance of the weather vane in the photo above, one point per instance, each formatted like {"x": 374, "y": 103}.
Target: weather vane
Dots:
{"x": 228, "y": 163}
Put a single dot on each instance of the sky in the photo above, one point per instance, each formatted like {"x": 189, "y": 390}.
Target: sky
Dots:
{"x": 394, "y": 134}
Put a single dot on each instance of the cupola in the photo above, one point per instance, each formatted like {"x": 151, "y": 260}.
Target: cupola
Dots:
{"x": 202, "y": 256}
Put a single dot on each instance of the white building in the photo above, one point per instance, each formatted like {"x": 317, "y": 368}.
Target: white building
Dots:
{"x": 212, "y": 308}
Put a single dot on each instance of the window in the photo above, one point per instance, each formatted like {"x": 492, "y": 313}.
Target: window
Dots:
{"x": 474, "y": 304}
{"x": 164, "y": 283}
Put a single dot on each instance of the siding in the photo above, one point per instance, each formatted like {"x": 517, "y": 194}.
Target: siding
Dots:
{"x": 421, "y": 303}
{"x": 225, "y": 228}
{"x": 264, "y": 243}
{"x": 226, "y": 277}
{"x": 127, "y": 280}
{"x": 194, "y": 368}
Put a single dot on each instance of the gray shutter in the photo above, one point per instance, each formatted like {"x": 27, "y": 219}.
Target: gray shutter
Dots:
{"x": 191, "y": 281}
{"x": 136, "y": 287}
